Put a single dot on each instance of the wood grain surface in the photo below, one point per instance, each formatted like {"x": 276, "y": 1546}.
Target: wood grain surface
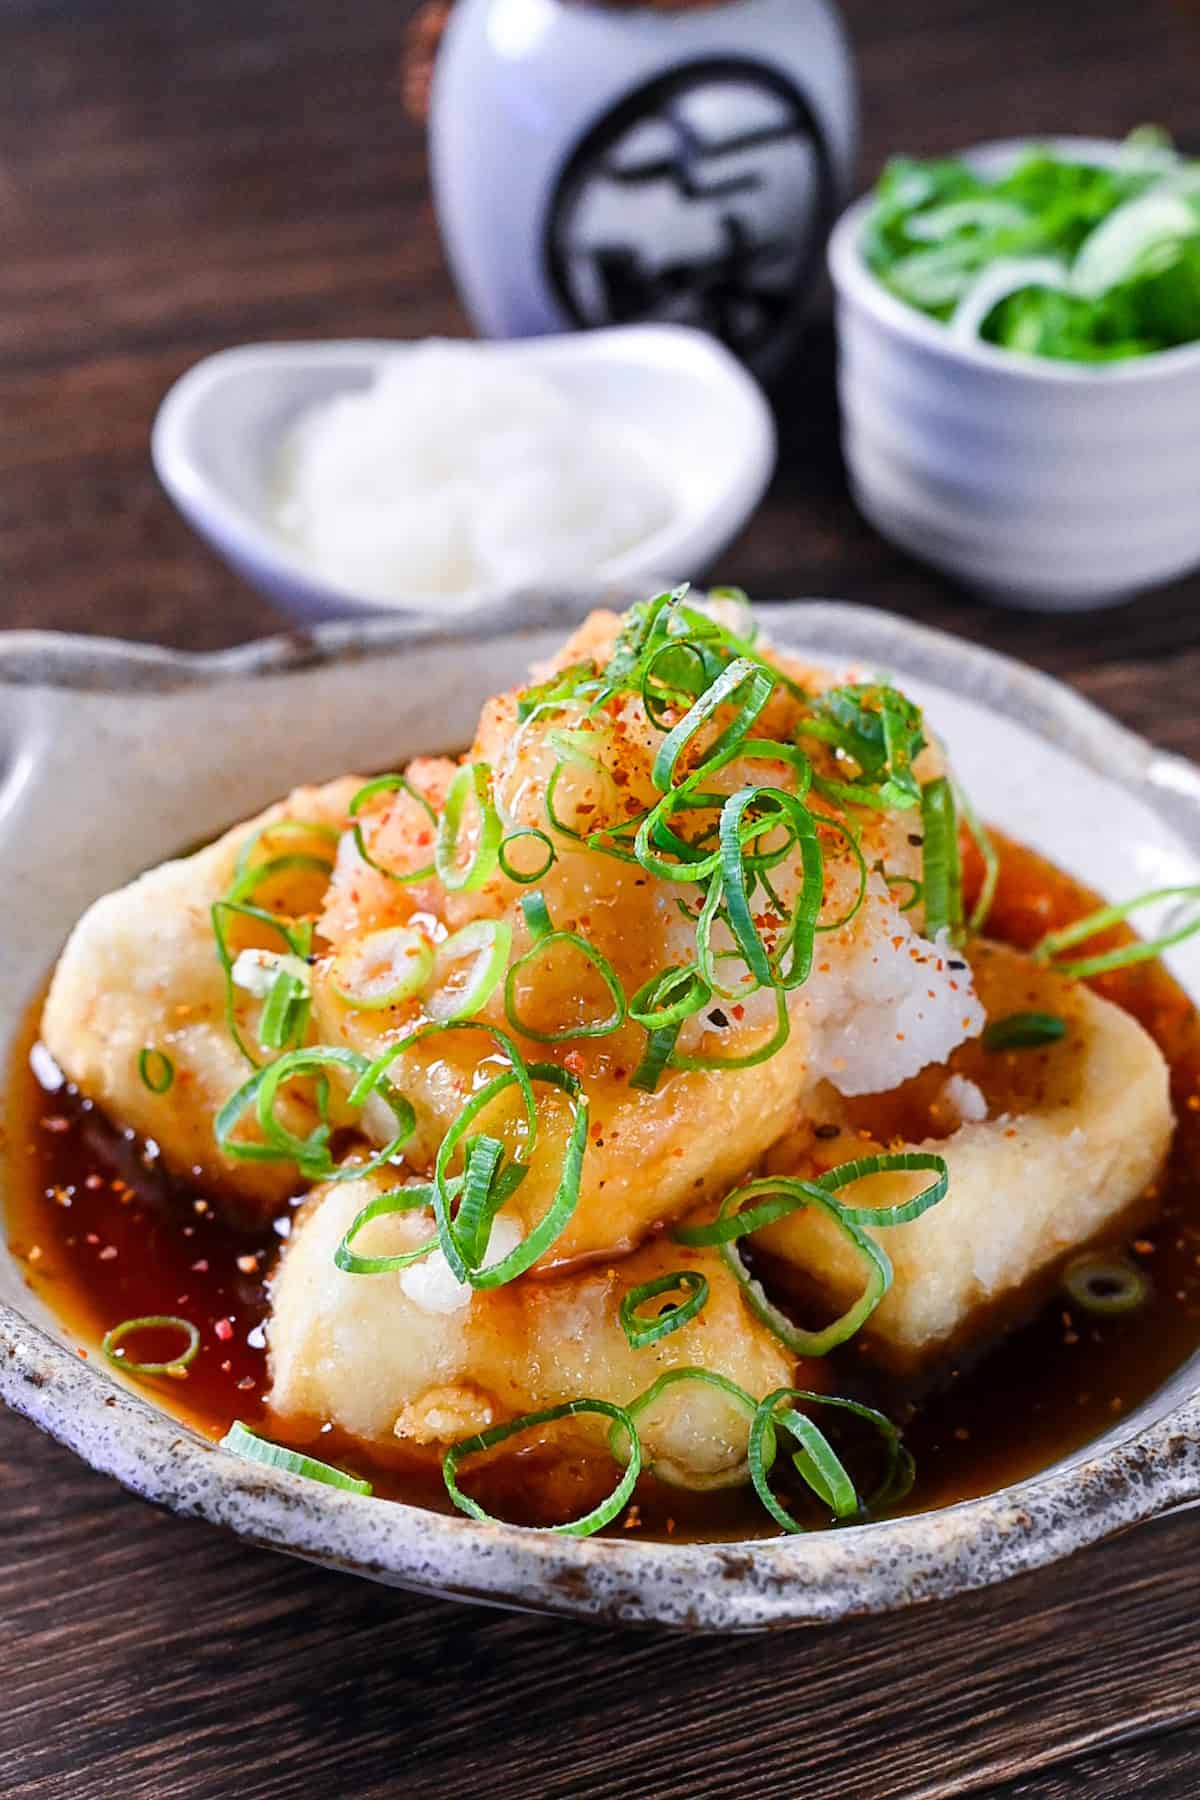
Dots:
{"x": 175, "y": 178}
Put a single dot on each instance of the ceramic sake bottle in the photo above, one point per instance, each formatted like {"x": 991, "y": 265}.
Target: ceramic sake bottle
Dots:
{"x": 596, "y": 164}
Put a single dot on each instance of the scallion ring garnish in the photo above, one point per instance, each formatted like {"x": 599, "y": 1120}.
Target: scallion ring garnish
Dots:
{"x": 943, "y": 868}
{"x": 792, "y": 1194}
{"x": 244, "y": 1442}
{"x": 525, "y": 876}
{"x": 473, "y": 780}
{"x": 295, "y": 828}
{"x": 1066, "y": 938}
{"x": 749, "y": 1059}
{"x": 891, "y": 1162}
{"x": 641, "y": 1330}
{"x": 592, "y": 1521}
{"x": 252, "y": 878}
{"x": 285, "y": 1016}
{"x": 669, "y": 998}
{"x": 297, "y": 936}
{"x": 389, "y": 784}
{"x": 398, "y": 1200}
{"x": 1105, "y": 1286}
{"x": 1024, "y": 1031}
{"x": 487, "y": 942}
{"x": 661, "y": 1468}
{"x": 156, "y": 1069}
{"x": 311, "y": 1154}
{"x": 991, "y": 860}
{"x": 113, "y": 1341}
{"x": 817, "y": 1463}
{"x": 541, "y": 930}
{"x": 758, "y": 683}
{"x": 382, "y": 968}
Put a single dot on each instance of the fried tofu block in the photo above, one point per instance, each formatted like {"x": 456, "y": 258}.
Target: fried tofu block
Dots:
{"x": 141, "y": 970}
{"x": 880, "y": 997}
{"x": 1047, "y": 1149}
{"x": 409, "y": 1360}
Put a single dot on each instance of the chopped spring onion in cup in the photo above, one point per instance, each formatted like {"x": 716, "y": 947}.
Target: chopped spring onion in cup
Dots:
{"x": 1055, "y": 256}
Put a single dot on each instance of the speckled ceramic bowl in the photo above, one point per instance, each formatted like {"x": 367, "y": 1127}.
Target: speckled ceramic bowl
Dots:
{"x": 112, "y": 756}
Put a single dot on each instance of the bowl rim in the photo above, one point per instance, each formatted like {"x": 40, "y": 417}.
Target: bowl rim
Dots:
{"x": 231, "y": 525}
{"x": 855, "y": 282}
{"x": 740, "y": 1586}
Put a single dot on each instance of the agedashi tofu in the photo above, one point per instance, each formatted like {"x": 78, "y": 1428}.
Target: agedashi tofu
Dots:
{"x": 1047, "y": 1148}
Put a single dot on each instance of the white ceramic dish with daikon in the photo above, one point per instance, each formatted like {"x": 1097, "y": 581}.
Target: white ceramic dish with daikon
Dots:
{"x": 426, "y": 479}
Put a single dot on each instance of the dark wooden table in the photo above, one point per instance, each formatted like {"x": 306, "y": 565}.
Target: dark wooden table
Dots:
{"x": 175, "y": 178}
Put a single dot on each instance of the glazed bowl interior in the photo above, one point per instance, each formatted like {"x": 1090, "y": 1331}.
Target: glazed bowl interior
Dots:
{"x": 200, "y": 742}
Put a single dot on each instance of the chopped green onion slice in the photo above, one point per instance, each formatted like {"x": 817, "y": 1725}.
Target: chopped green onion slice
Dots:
{"x": 654, "y": 1059}
{"x": 388, "y": 784}
{"x": 487, "y": 942}
{"x": 252, "y": 878}
{"x": 382, "y": 968}
{"x": 817, "y": 1463}
{"x": 1105, "y": 1286}
{"x": 592, "y": 1521}
{"x": 296, "y": 936}
{"x": 943, "y": 869}
{"x": 311, "y": 1154}
{"x": 881, "y": 731}
{"x": 759, "y": 684}
{"x": 791, "y": 1194}
{"x": 112, "y": 1342}
{"x": 399, "y": 1200}
{"x": 991, "y": 860}
{"x": 669, "y": 1472}
{"x": 472, "y": 780}
{"x": 244, "y": 1442}
{"x": 669, "y": 998}
{"x": 891, "y": 1162}
{"x": 544, "y": 937}
{"x": 749, "y": 1059}
{"x": 1024, "y": 1031}
{"x": 156, "y": 1069}
{"x": 1103, "y": 920}
{"x": 294, "y": 828}
{"x": 285, "y": 1015}
{"x": 639, "y": 1329}
{"x": 509, "y": 868}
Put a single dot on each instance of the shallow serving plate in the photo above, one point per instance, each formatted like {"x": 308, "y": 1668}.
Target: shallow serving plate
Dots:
{"x": 111, "y": 757}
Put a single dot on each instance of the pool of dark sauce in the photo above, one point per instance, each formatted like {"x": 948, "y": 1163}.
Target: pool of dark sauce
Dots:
{"x": 105, "y": 1235}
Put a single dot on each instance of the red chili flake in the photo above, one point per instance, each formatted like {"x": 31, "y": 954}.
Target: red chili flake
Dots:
{"x": 92, "y": 1238}
{"x": 227, "y": 1367}
{"x": 574, "y": 1061}
{"x": 248, "y": 1265}
{"x": 108, "y": 1254}
{"x": 201, "y": 1266}
{"x": 738, "y": 1011}
{"x": 224, "y": 1329}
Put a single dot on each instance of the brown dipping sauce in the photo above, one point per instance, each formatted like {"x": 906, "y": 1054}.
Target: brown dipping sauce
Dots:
{"x": 105, "y": 1235}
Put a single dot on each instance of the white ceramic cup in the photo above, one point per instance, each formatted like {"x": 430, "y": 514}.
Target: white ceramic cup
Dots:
{"x": 1043, "y": 484}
